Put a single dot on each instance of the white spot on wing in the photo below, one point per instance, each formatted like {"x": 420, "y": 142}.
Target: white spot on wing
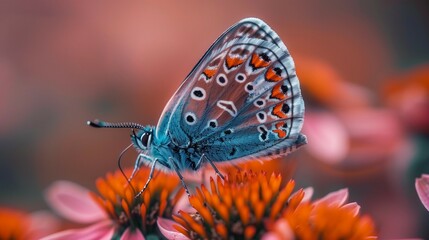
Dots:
{"x": 259, "y": 103}
{"x": 190, "y": 118}
{"x": 240, "y": 77}
{"x": 227, "y": 106}
{"x": 198, "y": 94}
{"x": 221, "y": 79}
{"x": 261, "y": 116}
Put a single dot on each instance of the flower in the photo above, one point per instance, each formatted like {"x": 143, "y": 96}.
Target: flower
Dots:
{"x": 115, "y": 212}
{"x": 408, "y": 94}
{"x": 335, "y": 111}
{"x": 422, "y": 188}
{"x": 249, "y": 205}
{"x": 16, "y": 224}
{"x": 328, "y": 218}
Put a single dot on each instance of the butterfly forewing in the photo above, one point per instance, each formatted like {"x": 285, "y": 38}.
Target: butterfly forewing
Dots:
{"x": 246, "y": 28}
{"x": 241, "y": 100}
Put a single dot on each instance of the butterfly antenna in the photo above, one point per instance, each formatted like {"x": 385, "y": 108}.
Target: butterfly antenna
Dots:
{"x": 101, "y": 124}
{"x": 122, "y": 171}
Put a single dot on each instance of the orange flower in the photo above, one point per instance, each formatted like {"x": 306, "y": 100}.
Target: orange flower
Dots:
{"x": 237, "y": 207}
{"x": 14, "y": 224}
{"x": 324, "y": 221}
{"x": 408, "y": 94}
{"x": 118, "y": 199}
{"x": 252, "y": 205}
{"x": 115, "y": 212}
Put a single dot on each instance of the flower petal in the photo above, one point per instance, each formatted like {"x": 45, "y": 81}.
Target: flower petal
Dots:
{"x": 325, "y": 129}
{"x": 43, "y": 223}
{"x": 336, "y": 198}
{"x": 183, "y": 204}
{"x": 353, "y": 207}
{"x": 101, "y": 230}
{"x": 308, "y": 193}
{"x": 132, "y": 235}
{"x": 270, "y": 236}
{"x": 167, "y": 229}
{"x": 73, "y": 202}
{"x": 281, "y": 230}
{"x": 422, "y": 187}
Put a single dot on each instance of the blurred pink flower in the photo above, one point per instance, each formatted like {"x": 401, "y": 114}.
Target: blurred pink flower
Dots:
{"x": 328, "y": 136}
{"x": 346, "y": 137}
{"x": 341, "y": 123}
{"x": 422, "y": 187}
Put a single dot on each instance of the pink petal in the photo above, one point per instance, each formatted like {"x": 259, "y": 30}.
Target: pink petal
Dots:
{"x": 328, "y": 137}
{"x": 336, "y": 198}
{"x": 43, "y": 223}
{"x": 308, "y": 193}
{"x": 422, "y": 187}
{"x": 167, "y": 229}
{"x": 281, "y": 229}
{"x": 73, "y": 202}
{"x": 132, "y": 235}
{"x": 376, "y": 141}
{"x": 101, "y": 230}
{"x": 354, "y": 207}
{"x": 270, "y": 236}
{"x": 183, "y": 204}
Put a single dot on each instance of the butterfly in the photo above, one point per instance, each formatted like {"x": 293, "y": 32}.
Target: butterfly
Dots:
{"x": 241, "y": 101}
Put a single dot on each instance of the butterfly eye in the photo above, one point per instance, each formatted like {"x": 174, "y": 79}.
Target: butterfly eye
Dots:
{"x": 144, "y": 139}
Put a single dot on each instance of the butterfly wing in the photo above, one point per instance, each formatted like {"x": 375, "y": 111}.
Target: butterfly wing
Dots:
{"x": 242, "y": 99}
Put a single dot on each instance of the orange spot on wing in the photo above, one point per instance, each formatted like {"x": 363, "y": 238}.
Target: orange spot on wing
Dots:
{"x": 233, "y": 62}
{"x": 272, "y": 76}
{"x": 209, "y": 73}
{"x": 277, "y": 93}
{"x": 280, "y": 125}
{"x": 258, "y": 62}
{"x": 280, "y": 133}
{"x": 277, "y": 111}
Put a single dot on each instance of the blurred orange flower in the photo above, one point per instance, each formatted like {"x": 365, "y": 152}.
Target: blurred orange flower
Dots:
{"x": 323, "y": 85}
{"x": 115, "y": 212}
{"x": 252, "y": 205}
{"x": 408, "y": 94}
{"x": 14, "y": 224}
{"x": 17, "y": 225}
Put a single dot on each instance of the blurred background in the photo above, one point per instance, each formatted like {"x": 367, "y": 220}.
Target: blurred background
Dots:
{"x": 364, "y": 68}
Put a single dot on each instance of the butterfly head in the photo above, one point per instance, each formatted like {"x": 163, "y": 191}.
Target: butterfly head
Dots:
{"x": 142, "y": 139}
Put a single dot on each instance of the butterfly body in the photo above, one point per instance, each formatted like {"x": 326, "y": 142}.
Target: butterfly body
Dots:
{"x": 162, "y": 148}
{"x": 241, "y": 101}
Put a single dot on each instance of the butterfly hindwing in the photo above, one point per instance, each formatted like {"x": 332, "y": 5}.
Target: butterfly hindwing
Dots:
{"x": 269, "y": 117}
{"x": 241, "y": 100}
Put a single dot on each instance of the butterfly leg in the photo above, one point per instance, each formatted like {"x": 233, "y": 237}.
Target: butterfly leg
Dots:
{"x": 152, "y": 169}
{"x": 180, "y": 176}
{"x": 203, "y": 156}
{"x": 136, "y": 167}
